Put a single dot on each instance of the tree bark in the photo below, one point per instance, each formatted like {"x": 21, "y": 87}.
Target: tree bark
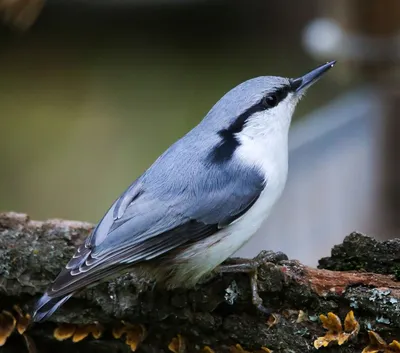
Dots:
{"x": 362, "y": 275}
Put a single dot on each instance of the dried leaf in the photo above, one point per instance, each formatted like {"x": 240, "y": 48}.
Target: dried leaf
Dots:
{"x": 207, "y": 349}
{"x": 64, "y": 331}
{"x": 326, "y": 340}
{"x": 394, "y": 346}
{"x": 237, "y": 349}
{"x": 265, "y": 349}
{"x": 376, "y": 340}
{"x": 97, "y": 330}
{"x": 351, "y": 324}
{"x": 7, "y": 326}
{"x": 23, "y": 320}
{"x": 135, "y": 334}
{"x": 335, "y": 332}
{"x": 331, "y": 322}
{"x": 301, "y": 317}
{"x": 119, "y": 331}
{"x": 83, "y": 331}
{"x": 177, "y": 345}
{"x": 379, "y": 345}
{"x": 372, "y": 350}
{"x": 272, "y": 320}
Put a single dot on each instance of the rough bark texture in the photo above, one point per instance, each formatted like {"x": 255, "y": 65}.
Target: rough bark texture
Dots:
{"x": 218, "y": 313}
{"x": 363, "y": 253}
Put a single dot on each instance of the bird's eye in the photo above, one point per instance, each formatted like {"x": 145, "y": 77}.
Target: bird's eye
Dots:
{"x": 270, "y": 101}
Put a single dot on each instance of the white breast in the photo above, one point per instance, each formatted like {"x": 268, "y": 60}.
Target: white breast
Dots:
{"x": 271, "y": 158}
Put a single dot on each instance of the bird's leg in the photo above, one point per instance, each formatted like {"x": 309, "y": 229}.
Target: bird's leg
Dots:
{"x": 251, "y": 267}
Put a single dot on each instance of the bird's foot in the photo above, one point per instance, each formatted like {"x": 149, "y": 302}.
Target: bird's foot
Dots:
{"x": 250, "y": 266}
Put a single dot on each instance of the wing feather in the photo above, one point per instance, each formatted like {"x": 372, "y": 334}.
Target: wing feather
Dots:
{"x": 144, "y": 224}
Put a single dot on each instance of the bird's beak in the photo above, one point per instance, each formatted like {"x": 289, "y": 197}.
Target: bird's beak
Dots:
{"x": 299, "y": 84}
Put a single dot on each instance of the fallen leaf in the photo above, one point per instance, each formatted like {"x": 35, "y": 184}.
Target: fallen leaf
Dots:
{"x": 118, "y": 331}
{"x": 301, "y": 317}
{"x": 351, "y": 324}
{"x": 376, "y": 340}
{"x": 238, "y": 349}
{"x": 97, "y": 330}
{"x": 177, "y": 345}
{"x": 331, "y": 322}
{"x": 135, "y": 334}
{"x": 394, "y": 346}
{"x": 82, "y": 331}
{"x": 7, "y": 326}
{"x": 64, "y": 331}
{"x": 265, "y": 349}
{"x": 272, "y": 320}
{"x": 378, "y": 345}
{"x": 23, "y": 320}
{"x": 335, "y": 334}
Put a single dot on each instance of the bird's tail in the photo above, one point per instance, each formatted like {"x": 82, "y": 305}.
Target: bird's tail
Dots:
{"x": 47, "y": 305}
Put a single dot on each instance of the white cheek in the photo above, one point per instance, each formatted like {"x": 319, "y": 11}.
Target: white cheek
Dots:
{"x": 271, "y": 121}
{"x": 264, "y": 140}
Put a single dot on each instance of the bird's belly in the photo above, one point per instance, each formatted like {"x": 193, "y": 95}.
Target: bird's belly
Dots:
{"x": 202, "y": 257}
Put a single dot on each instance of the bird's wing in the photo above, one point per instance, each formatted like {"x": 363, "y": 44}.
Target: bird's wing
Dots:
{"x": 141, "y": 226}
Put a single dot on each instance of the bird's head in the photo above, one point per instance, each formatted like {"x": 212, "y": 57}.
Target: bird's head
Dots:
{"x": 257, "y": 110}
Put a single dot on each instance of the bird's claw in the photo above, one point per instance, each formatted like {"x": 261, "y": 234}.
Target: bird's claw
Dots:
{"x": 249, "y": 266}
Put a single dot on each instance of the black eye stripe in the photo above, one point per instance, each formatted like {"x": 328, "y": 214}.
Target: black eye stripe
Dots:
{"x": 224, "y": 151}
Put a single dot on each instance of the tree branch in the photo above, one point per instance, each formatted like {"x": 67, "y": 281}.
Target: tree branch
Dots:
{"x": 218, "y": 313}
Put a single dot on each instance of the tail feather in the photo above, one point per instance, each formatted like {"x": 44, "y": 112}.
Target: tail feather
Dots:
{"x": 47, "y": 305}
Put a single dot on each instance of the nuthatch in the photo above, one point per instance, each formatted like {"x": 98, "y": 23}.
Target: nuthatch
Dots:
{"x": 200, "y": 201}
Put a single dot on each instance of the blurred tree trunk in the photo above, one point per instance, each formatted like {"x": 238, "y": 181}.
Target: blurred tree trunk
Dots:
{"x": 380, "y": 20}
{"x": 377, "y": 22}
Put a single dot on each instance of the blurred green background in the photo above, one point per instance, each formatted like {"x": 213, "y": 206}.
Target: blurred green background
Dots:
{"x": 94, "y": 92}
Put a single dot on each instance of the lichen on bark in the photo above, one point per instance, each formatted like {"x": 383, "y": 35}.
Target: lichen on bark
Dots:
{"x": 217, "y": 313}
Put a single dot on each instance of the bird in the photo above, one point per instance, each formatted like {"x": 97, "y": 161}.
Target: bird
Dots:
{"x": 200, "y": 201}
